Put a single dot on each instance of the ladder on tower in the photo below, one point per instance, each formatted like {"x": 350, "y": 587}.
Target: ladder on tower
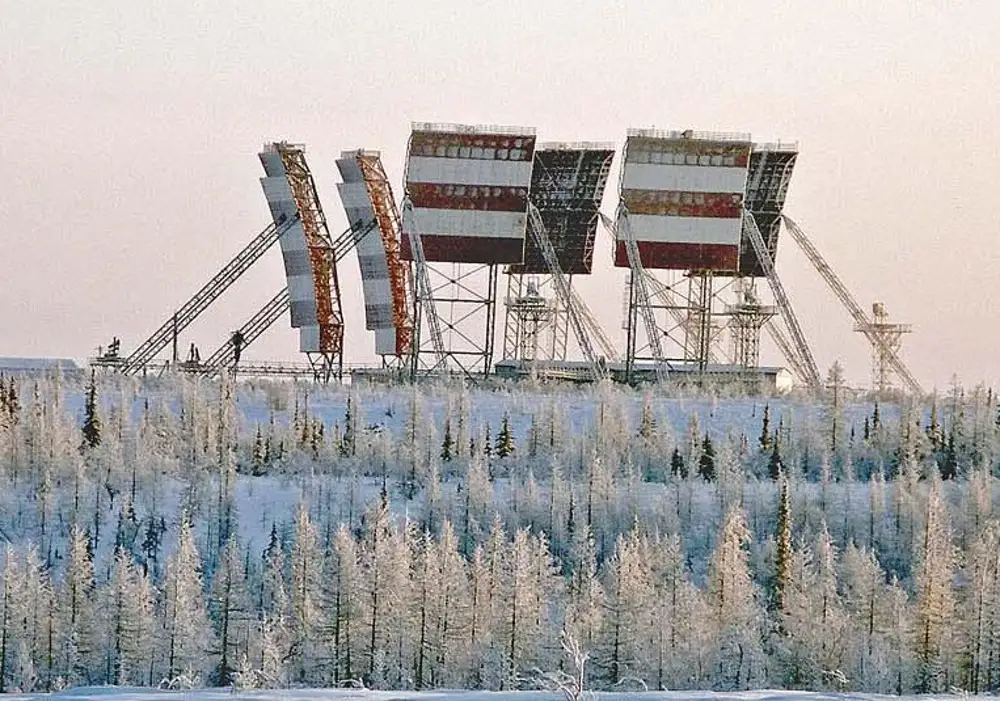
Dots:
{"x": 212, "y": 290}
{"x": 798, "y": 339}
{"x": 639, "y": 282}
{"x": 541, "y": 236}
{"x": 852, "y": 306}
{"x": 425, "y": 293}
{"x": 225, "y": 355}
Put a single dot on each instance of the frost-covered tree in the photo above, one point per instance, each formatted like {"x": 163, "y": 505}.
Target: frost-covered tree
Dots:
{"x": 375, "y": 564}
{"x": 186, "y": 629}
{"x": 505, "y": 438}
{"x": 343, "y": 604}
{"x": 77, "y": 644}
{"x": 585, "y": 594}
{"x": 452, "y": 610}
{"x": 735, "y": 613}
{"x": 305, "y": 567}
{"x": 628, "y": 584}
{"x": 91, "y": 428}
{"x": 127, "y": 604}
{"x": 980, "y": 610}
{"x": 935, "y": 597}
{"x": 783, "y": 538}
{"x": 229, "y": 604}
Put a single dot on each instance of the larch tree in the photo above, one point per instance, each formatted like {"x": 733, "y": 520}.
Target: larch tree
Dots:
{"x": 275, "y": 644}
{"x": 980, "y": 611}
{"x": 303, "y": 596}
{"x": 343, "y": 604}
{"x": 127, "y": 603}
{"x": 629, "y": 600}
{"x": 79, "y": 617}
{"x": 524, "y": 598}
{"x": 735, "y": 611}
{"x": 187, "y": 630}
{"x": 585, "y": 595}
{"x": 452, "y": 610}
{"x": 424, "y": 577}
{"x": 935, "y": 595}
{"x": 32, "y": 608}
{"x": 10, "y": 586}
{"x": 863, "y": 584}
{"x": 398, "y": 599}
{"x": 375, "y": 566}
{"x": 230, "y": 607}
{"x": 673, "y": 603}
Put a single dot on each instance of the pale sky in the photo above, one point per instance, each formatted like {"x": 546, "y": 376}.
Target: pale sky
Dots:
{"x": 128, "y": 168}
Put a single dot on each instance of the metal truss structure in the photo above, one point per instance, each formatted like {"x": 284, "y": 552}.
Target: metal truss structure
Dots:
{"x": 886, "y": 340}
{"x": 703, "y": 324}
{"x": 697, "y": 223}
{"x": 327, "y": 356}
{"x": 746, "y": 319}
{"x": 456, "y": 303}
{"x": 567, "y": 185}
{"x": 780, "y": 338}
{"x": 563, "y": 295}
{"x": 535, "y": 322}
{"x": 640, "y": 303}
{"x": 885, "y": 337}
{"x": 594, "y": 328}
{"x": 388, "y": 296}
{"x": 464, "y": 215}
{"x": 425, "y": 307}
{"x": 801, "y": 347}
{"x": 169, "y": 331}
{"x": 226, "y": 356}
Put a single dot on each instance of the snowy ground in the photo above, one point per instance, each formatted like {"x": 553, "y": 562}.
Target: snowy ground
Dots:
{"x": 135, "y": 694}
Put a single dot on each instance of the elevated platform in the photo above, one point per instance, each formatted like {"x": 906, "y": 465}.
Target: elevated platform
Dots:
{"x": 765, "y": 379}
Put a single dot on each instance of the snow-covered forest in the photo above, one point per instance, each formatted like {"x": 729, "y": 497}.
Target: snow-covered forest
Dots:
{"x": 177, "y": 532}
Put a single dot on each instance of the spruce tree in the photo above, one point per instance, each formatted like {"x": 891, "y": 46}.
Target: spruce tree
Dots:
{"x": 774, "y": 465}
{"x": 706, "y": 463}
{"x": 784, "y": 539}
{"x": 347, "y": 448}
{"x": 678, "y": 468}
{"x": 91, "y": 419}
{"x": 505, "y": 439}
{"x": 765, "y": 430}
{"x": 447, "y": 443}
{"x": 934, "y": 428}
{"x": 949, "y": 465}
{"x": 13, "y": 404}
{"x": 257, "y": 458}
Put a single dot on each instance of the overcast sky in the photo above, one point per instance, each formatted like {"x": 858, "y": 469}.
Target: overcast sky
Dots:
{"x": 129, "y": 133}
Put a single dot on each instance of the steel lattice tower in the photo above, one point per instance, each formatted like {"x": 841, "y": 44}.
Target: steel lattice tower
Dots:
{"x": 887, "y": 340}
